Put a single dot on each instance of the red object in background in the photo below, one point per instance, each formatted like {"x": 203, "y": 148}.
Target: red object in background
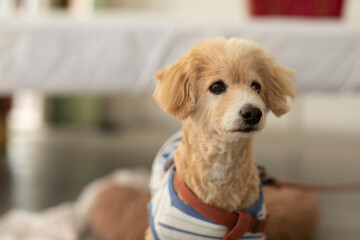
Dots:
{"x": 310, "y": 8}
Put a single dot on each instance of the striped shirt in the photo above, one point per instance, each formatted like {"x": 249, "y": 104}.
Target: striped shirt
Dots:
{"x": 171, "y": 218}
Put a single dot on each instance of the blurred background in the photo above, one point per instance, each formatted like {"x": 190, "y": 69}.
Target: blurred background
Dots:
{"x": 76, "y": 92}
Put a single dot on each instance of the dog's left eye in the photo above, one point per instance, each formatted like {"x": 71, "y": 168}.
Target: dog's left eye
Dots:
{"x": 256, "y": 86}
{"x": 218, "y": 87}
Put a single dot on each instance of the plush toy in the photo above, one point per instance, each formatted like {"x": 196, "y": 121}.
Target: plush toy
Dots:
{"x": 119, "y": 211}
{"x": 114, "y": 208}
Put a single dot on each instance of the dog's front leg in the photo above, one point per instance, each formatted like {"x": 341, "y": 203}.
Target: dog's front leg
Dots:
{"x": 148, "y": 234}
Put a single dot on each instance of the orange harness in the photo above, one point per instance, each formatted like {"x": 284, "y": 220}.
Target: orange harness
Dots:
{"x": 236, "y": 223}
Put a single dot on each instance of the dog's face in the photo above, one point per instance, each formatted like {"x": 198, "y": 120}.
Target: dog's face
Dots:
{"x": 226, "y": 87}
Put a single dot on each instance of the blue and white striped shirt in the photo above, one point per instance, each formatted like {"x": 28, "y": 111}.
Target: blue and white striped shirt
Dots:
{"x": 171, "y": 218}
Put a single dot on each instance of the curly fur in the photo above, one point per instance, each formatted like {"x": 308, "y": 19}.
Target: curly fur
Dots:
{"x": 215, "y": 157}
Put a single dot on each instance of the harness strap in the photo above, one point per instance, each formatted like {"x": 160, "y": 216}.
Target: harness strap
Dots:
{"x": 236, "y": 223}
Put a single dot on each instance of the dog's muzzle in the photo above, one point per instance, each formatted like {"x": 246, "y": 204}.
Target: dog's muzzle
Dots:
{"x": 250, "y": 114}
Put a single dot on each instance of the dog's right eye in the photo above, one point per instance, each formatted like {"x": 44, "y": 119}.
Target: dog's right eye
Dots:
{"x": 256, "y": 86}
{"x": 218, "y": 87}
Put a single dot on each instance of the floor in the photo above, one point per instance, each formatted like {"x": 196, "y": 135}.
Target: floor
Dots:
{"x": 47, "y": 166}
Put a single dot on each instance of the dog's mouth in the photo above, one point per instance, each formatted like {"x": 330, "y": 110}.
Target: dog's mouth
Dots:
{"x": 246, "y": 129}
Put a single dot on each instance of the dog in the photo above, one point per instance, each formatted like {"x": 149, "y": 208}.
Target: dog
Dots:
{"x": 222, "y": 90}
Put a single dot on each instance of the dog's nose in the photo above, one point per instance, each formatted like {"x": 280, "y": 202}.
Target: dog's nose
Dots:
{"x": 250, "y": 114}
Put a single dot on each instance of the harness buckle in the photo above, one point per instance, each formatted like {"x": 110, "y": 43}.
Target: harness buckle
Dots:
{"x": 256, "y": 226}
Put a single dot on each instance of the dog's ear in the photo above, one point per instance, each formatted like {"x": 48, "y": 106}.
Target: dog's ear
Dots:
{"x": 279, "y": 88}
{"x": 175, "y": 91}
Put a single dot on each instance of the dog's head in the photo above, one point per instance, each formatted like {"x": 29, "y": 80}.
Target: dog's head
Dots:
{"x": 226, "y": 87}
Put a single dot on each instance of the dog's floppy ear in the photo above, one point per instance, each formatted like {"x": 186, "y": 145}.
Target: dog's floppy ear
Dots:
{"x": 279, "y": 88}
{"x": 175, "y": 92}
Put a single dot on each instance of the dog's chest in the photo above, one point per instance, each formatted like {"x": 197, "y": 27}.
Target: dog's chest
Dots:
{"x": 171, "y": 218}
